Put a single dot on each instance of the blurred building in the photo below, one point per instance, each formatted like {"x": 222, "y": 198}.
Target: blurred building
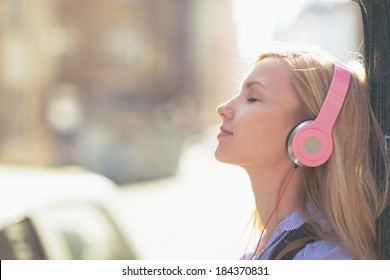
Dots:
{"x": 112, "y": 85}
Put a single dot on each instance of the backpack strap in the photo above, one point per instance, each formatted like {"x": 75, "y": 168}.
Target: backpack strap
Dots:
{"x": 293, "y": 242}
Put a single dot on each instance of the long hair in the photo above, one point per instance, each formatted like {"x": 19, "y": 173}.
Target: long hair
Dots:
{"x": 344, "y": 189}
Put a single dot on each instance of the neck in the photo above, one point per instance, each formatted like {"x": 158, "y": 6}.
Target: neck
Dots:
{"x": 268, "y": 187}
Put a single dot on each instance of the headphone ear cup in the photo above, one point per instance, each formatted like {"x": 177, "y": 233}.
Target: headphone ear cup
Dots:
{"x": 290, "y": 138}
{"x": 308, "y": 145}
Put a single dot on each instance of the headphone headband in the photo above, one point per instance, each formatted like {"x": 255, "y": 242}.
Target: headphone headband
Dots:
{"x": 334, "y": 99}
{"x": 310, "y": 143}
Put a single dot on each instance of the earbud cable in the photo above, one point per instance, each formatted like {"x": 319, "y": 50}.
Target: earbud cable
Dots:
{"x": 273, "y": 211}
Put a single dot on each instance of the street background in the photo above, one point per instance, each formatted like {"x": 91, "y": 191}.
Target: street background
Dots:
{"x": 128, "y": 89}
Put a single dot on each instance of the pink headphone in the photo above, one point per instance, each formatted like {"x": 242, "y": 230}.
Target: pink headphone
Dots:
{"x": 310, "y": 142}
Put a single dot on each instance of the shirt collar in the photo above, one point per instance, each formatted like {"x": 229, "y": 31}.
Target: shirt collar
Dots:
{"x": 292, "y": 221}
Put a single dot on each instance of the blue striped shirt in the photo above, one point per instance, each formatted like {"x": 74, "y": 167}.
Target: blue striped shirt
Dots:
{"x": 317, "y": 250}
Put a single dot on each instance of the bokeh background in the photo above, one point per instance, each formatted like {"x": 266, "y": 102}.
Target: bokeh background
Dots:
{"x": 118, "y": 85}
{"x": 128, "y": 89}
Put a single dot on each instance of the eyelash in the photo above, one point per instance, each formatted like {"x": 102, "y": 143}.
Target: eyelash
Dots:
{"x": 251, "y": 100}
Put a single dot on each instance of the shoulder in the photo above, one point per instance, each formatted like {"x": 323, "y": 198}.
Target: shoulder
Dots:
{"x": 322, "y": 250}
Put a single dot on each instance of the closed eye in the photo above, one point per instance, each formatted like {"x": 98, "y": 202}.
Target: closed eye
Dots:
{"x": 251, "y": 100}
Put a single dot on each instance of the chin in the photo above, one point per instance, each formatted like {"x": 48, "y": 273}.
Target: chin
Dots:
{"x": 219, "y": 155}
{"x": 223, "y": 157}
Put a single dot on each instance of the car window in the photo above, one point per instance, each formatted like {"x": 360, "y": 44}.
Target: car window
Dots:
{"x": 19, "y": 241}
{"x": 86, "y": 232}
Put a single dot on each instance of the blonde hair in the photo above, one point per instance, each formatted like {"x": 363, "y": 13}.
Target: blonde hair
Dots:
{"x": 344, "y": 189}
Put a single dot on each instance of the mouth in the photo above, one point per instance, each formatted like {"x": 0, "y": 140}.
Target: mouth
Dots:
{"x": 224, "y": 132}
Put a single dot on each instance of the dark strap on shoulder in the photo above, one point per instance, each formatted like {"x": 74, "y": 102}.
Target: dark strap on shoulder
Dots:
{"x": 293, "y": 242}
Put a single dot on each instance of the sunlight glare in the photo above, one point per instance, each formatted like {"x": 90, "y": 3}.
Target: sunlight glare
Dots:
{"x": 256, "y": 21}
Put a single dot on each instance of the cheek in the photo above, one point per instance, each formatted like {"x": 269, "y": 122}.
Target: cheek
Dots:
{"x": 268, "y": 139}
{"x": 271, "y": 131}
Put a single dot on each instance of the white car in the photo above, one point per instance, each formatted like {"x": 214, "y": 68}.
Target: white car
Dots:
{"x": 59, "y": 214}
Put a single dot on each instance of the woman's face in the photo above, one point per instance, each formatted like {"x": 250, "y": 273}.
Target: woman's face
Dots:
{"x": 256, "y": 122}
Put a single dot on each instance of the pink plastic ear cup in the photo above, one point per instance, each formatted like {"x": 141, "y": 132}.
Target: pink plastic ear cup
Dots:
{"x": 310, "y": 143}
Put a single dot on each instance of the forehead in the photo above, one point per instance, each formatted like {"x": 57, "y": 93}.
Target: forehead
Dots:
{"x": 270, "y": 72}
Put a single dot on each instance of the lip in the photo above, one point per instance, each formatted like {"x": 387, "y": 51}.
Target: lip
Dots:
{"x": 224, "y": 132}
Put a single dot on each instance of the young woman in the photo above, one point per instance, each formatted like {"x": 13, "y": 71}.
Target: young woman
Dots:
{"x": 311, "y": 208}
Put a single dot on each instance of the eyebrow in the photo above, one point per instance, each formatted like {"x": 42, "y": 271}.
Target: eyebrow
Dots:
{"x": 251, "y": 83}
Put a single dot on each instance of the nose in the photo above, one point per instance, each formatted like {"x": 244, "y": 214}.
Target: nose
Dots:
{"x": 225, "y": 111}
